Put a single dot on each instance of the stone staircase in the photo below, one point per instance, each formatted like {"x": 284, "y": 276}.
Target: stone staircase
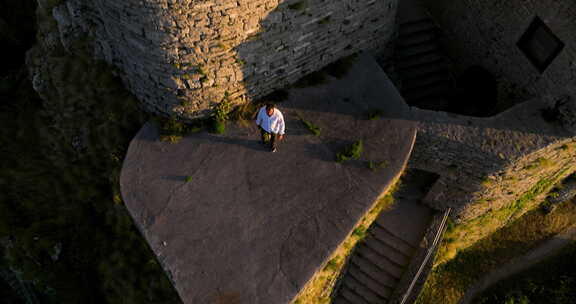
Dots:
{"x": 424, "y": 71}
{"x": 380, "y": 260}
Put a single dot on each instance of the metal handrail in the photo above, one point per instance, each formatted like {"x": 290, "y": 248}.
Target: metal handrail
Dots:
{"x": 428, "y": 254}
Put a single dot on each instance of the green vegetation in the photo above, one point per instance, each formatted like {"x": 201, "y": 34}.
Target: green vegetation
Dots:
{"x": 551, "y": 281}
{"x": 373, "y": 114}
{"x": 375, "y": 165}
{"x": 540, "y": 162}
{"x": 487, "y": 182}
{"x": 463, "y": 235}
{"x": 172, "y": 130}
{"x": 360, "y": 232}
{"x": 312, "y": 128}
{"x": 220, "y": 115}
{"x": 188, "y": 179}
{"x": 61, "y": 189}
{"x": 332, "y": 264}
{"x": 448, "y": 282}
{"x": 352, "y": 151}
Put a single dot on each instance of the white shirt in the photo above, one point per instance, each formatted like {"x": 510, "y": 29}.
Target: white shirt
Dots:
{"x": 271, "y": 124}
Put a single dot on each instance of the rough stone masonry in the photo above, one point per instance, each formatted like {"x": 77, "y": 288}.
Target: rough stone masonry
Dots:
{"x": 181, "y": 58}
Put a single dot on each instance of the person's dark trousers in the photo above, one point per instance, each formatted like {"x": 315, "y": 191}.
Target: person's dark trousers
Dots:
{"x": 272, "y": 137}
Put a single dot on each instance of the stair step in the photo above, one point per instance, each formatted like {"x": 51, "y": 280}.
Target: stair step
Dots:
{"x": 383, "y": 291}
{"x": 398, "y": 257}
{"x": 437, "y": 79}
{"x": 416, "y": 39}
{"x": 369, "y": 295}
{"x": 407, "y": 28}
{"x": 374, "y": 272}
{"x": 341, "y": 300}
{"x": 381, "y": 231}
{"x": 404, "y": 53}
{"x": 423, "y": 84}
{"x": 407, "y": 35}
{"x": 435, "y": 91}
{"x": 352, "y": 296}
{"x": 432, "y": 103}
{"x": 419, "y": 60}
{"x": 382, "y": 262}
{"x": 425, "y": 69}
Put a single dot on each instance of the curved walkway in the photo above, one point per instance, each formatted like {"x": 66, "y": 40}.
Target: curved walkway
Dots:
{"x": 545, "y": 250}
{"x": 233, "y": 223}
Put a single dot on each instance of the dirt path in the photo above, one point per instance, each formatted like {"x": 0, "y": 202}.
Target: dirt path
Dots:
{"x": 536, "y": 255}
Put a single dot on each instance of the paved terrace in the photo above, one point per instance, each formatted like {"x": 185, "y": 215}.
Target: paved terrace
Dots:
{"x": 253, "y": 226}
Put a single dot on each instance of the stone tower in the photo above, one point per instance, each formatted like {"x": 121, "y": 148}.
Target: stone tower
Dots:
{"x": 180, "y": 58}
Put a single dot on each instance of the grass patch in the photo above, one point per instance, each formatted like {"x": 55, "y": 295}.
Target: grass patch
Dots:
{"x": 332, "y": 264}
{"x": 309, "y": 126}
{"x": 172, "y": 130}
{"x": 376, "y": 165}
{"x": 360, "y": 232}
{"x": 540, "y": 162}
{"x": 373, "y": 114}
{"x": 449, "y": 281}
{"x": 465, "y": 234}
{"x": 550, "y": 281}
{"x": 352, "y": 151}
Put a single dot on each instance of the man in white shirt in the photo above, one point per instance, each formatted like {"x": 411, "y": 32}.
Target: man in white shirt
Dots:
{"x": 270, "y": 121}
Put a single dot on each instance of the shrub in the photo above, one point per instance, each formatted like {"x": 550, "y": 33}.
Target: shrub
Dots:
{"x": 332, "y": 264}
{"x": 218, "y": 127}
{"x": 351, "y": 152}
{"x": 188, "y": 179}
{"x": 220, "y": 116}
{"x": 360, "y": 232}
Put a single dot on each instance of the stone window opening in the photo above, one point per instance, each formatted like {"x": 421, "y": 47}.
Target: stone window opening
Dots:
{"x": 539, "y": 44}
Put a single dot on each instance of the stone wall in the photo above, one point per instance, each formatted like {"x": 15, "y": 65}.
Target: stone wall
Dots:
{"x": 489, "y": 163}
{"x": 183, "y": 57}
{"x": 486, "y": 32}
